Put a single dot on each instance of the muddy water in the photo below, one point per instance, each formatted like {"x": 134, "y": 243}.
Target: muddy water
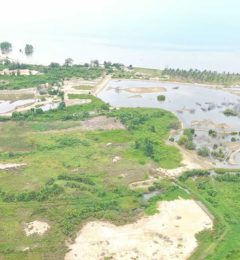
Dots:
{"x": 8, "y": 106}
{"x": 190, "y": 102}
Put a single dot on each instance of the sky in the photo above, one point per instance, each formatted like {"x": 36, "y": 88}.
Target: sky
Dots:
{"x": 169, "y": 25}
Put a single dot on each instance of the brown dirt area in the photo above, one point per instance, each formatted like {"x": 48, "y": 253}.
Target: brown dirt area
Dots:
{"x": 102, "y": 122}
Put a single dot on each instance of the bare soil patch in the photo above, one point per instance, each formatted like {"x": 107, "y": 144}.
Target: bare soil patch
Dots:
{"x": 102, "y": 122}
{"x": 36, "y": 227}
{"x": 169, "y": 234}
{"x": 6, "y": 166}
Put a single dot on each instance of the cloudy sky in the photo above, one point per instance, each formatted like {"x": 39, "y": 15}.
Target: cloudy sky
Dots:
{"x": 186, "y": 25}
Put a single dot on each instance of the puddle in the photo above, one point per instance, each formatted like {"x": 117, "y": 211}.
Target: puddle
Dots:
{"x": 149, "y": 195}
{"x": 8, "y": 106}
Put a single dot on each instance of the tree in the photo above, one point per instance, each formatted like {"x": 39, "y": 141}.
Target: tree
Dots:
{"x": 6, "y": 47}
{"x": 68, "y": 62}
{"x": 161, "y": 98}
{"x": 29, "y": 49}
{"x": 94, "y": 63}
{"x": 54, "y": 65}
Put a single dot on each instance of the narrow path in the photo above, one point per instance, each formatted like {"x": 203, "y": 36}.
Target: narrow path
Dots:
{"x": 101, "y": 85}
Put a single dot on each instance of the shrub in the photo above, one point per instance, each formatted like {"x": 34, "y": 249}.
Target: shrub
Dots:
{"x": 204, "y": 151}
{"x": 161, "y": 98}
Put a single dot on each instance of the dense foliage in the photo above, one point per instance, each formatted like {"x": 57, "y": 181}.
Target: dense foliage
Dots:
{"x": 205, "y": 76}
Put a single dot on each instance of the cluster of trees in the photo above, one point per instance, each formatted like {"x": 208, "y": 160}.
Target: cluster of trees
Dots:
{"x": 186, "y": 139}
{"x": 28, "y": 49}
{"x": 204, "y": 76}
{"x": 6, "y": 47}
{"x": 228, "y": 177}
{"x": 47, "y": 192}
{"x": 194, "y": 173}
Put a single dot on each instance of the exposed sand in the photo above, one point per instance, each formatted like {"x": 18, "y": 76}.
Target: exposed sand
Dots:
{"x": 36, "y": 227}
{"x": 234, "y": 148}
{"x": 6, "y": 166}
{"x": 143, "y": 90}
{"x": 168, "y": 235}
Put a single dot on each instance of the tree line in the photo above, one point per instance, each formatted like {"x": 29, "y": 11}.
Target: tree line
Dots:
{"x": 204, "y": 76}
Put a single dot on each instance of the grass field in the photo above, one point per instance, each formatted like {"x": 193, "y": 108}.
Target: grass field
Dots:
{"x": 70, "y": 176}
{"x": 220, "y": 194}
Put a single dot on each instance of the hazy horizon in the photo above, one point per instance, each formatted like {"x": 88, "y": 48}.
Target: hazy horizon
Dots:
{"x": 177, "y": 33}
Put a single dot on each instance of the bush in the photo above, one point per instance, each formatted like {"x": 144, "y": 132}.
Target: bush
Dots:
{"x": 190, "y": 145}
{"x": 204, "y": 151}
{"x": 194, "y": 173}
{"x": 229, "y": 112}
{"x": 161, "y": 98}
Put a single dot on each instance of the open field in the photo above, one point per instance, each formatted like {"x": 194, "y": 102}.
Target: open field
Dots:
{"x": 69, "y": 177}
{"x": 86, "y": 167}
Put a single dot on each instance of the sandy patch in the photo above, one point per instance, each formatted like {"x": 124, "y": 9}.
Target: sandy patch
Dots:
{"x": 102, "y": 122}
{"x": 116, "y": 159}
{"x": 234, "y": 153}
{"x": 6, "y": 166}
{"x": 143, "y": 184}
{"x": 135, "y": 96}
{"x": 36, "y": 227}
{"x": 169, "y": 234}
{"x": 143, "y": 90}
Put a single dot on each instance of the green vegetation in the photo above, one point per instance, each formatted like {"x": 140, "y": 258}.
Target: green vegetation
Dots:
{"x": 149, "y": 129}
{"x": 69, "y": 175}
{"x": 211, "y": 77}
{"x": 28, "y": 49}
{"x": 5, "y": 47}
{"x": 49, "y": 74}
{"x": 220, "y": 194}
{"x": 229, "y": 112}
{"x": 186, "y": 139}
{"x": 204, "y": 151}
{"x": 77, "y": 112}
{"x": 161, "y": 98}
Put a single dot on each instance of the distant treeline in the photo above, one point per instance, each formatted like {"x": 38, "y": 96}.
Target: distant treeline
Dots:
{"x": 205, "y": 76}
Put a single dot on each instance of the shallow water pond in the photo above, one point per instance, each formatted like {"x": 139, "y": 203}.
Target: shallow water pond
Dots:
{"x": 8, "y": 106}
{"x": 190, "y": 102}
